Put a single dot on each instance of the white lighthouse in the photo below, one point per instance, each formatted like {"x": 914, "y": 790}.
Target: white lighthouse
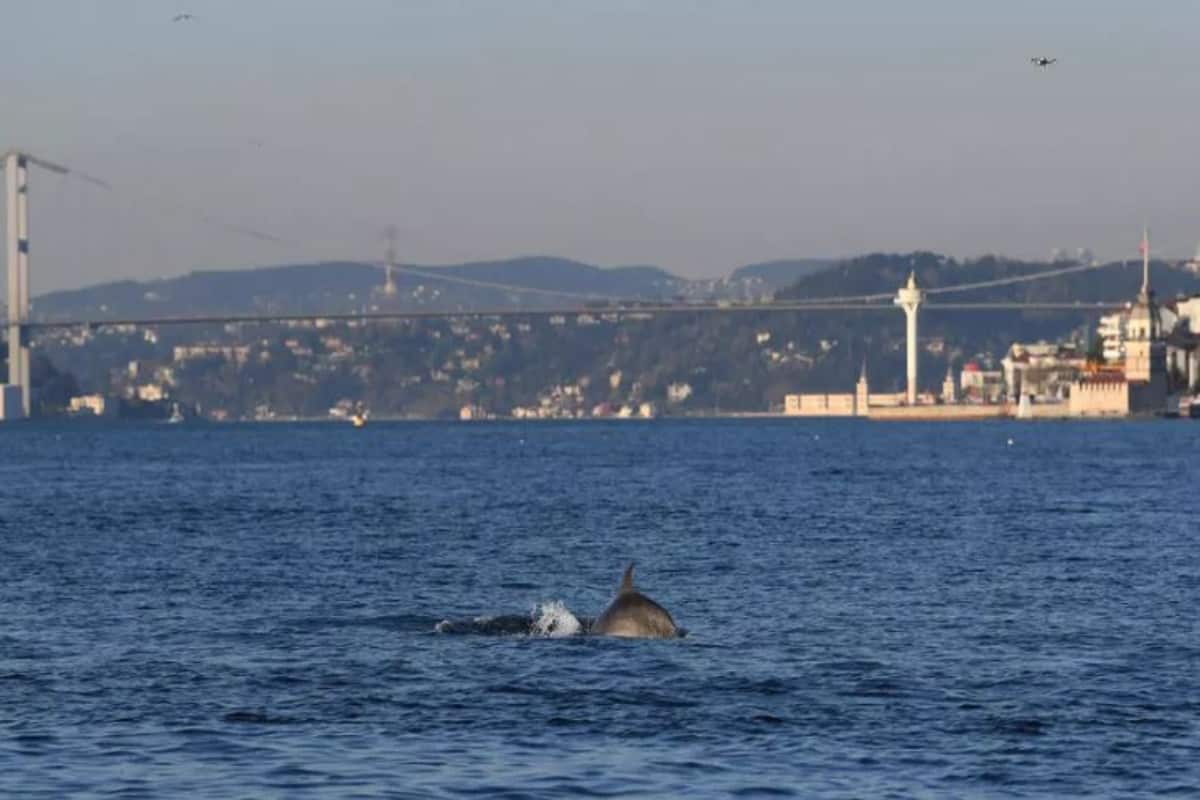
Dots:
{"x": 910, "y": 298}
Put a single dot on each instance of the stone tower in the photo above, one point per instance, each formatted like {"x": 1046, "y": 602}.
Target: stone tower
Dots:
{"x": 1145, "y": 348}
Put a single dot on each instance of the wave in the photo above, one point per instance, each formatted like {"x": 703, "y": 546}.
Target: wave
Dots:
{"x": 551, "y": 620}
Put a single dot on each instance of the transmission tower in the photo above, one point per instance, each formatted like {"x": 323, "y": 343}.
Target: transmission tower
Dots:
{"x": 389, "y": 283}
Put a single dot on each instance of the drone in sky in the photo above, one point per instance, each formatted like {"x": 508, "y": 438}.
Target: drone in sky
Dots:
{"x": 1041, "y": 62}
{"x": 184, "y": 17}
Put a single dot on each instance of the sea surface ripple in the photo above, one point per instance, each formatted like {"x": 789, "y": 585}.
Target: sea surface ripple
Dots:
{"x": 872, "y": 610}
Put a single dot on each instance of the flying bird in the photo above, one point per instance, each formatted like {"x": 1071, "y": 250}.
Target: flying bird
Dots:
{"x": 184, "y": 17}
{"x": 1042, "y": 62}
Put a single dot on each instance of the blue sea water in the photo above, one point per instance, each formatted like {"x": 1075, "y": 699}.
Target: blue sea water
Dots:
{"x": 872, "y": 610}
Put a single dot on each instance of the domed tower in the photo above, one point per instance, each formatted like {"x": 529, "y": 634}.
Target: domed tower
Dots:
{"x": 1145, "y": 348}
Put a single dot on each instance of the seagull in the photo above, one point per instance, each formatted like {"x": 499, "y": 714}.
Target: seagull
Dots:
{"x": 1042, "y": 62}
{"x": 184, "y": 17}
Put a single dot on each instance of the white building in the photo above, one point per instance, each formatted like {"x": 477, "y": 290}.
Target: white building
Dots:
{"x": 151, "y": 393}
{"x": 1042, "y": 370}
{"x": 678, "y": 392}
{"x": 89, "y": 404}
{"x": 1112, "y": 332}
{"x": 980, "y": 385}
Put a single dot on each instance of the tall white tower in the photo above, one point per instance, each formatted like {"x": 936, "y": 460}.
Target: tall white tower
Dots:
{"x": 910, "y": 298}
{"x": 17, "y": 260}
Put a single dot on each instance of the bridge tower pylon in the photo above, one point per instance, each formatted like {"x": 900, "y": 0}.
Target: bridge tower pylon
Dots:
{"x": 16, "y": 180}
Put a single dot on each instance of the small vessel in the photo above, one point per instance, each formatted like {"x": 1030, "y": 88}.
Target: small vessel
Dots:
{"x": 176, "y": 415}
{"x": 359, "y": 417}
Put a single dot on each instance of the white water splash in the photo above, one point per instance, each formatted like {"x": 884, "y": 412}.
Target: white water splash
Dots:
{"x": 555, "y": 620}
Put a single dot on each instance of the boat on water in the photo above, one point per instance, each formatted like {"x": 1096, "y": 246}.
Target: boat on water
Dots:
{"x": 176, "y": 415}
{"x": 359, "y": 418}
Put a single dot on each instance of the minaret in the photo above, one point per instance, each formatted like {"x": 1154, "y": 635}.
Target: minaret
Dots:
{"x": 910, "y": 298}
{"x": 949, "y": 396}
{"x": 862, "y": 393}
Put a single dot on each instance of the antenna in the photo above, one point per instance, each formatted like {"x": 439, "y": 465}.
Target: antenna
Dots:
{"x": 1145, "y": 248}
{"x": 389, "y": 284}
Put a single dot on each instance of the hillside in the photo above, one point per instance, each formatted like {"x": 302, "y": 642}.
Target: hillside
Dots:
{"x": 684, "y": 363}
{"x": 776, "y": 275}
{"x": 342, "y": 287}
{"x": 346, "y": 286}
{"x": 885, "y": 273}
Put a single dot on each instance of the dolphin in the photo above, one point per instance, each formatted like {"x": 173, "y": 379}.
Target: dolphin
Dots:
{"x": 632, "y": 614}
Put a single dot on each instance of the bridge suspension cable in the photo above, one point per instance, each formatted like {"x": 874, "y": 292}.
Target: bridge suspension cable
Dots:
{"x": 960, "y": 287}
{"x": 438, "y": 275}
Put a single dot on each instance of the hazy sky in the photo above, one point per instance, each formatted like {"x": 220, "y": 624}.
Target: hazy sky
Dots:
{"x": 694, "y": 135}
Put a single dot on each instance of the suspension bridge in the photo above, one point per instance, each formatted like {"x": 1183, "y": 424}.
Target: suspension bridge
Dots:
{"x": 20, "y": 324}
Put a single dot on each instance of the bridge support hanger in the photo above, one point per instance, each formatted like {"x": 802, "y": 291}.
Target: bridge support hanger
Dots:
{"x": 16, "y": 180}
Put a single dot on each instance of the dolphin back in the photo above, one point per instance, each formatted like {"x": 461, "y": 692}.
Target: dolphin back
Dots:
{"x": 634, "y": 615}
{"x": 627, "y": 580}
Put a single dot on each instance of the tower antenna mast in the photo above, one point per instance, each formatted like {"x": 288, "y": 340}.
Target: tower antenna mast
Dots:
{"x": 389, "y": 284}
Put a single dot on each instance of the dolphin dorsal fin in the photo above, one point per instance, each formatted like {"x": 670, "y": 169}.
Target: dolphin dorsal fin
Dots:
{"x": 627, "y": 580}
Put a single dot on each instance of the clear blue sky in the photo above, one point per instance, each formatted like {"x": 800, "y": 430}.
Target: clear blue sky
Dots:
{"x": 693, "y": 135}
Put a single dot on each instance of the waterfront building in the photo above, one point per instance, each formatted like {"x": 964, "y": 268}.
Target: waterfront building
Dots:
{"x": 1100, "y": 394}
{"x": 1043, "y": 371}
{"x": 980, "y": 385}
{"x": 95, "y": 404}
{"x": 1112, "y": 332}
{"x": 831, "y": 405}
{"x": 819, "y": 405}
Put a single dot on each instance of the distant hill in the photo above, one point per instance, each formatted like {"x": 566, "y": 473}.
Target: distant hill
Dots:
{"x": 347, "y": 286}
{"x": 343, "y": 287}
{"x": 558, "y": 274}
{"x": 777, "y": 275}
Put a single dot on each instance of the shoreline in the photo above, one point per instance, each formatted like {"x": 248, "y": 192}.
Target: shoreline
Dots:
{"x": 897, "y": 414}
